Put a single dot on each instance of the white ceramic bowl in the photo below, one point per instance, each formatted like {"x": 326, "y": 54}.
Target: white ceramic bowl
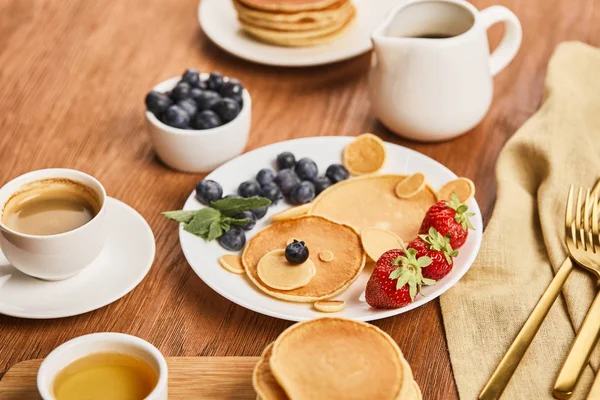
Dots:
{"x": 199, "y": 150}
{"x": 85, "y": 345}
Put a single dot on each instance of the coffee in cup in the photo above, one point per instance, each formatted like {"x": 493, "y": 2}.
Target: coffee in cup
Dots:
{"x": 50, "y": 206}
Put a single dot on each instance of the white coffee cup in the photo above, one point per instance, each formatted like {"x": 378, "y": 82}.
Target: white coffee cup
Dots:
{"x": 83, "y": 346}
{"x": 59, "y": 256}
{"x": 432, "y": 89}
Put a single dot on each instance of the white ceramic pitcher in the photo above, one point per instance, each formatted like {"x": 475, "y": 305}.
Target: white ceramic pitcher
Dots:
{"x": 432, "y": 89}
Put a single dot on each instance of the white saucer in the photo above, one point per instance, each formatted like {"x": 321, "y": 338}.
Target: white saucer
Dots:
{"x": 203, "y": 256}
{"x": 125, "y": 260}
{"x": 218, "y": 19}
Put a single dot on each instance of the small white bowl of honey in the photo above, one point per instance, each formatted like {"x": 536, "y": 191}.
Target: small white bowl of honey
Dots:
{"x": 104, "y": 366}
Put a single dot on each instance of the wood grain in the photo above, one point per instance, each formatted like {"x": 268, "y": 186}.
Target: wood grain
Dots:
{"x": 210, "y": 378}
{"x": 73, "y": 77}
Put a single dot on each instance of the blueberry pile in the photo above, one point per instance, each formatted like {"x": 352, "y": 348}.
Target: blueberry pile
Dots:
{"x": 198, "y": 104}
{"x": 298, "y": 181}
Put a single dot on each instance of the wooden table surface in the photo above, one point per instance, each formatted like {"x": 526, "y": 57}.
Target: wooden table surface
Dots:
{"x": 74, "y": 75}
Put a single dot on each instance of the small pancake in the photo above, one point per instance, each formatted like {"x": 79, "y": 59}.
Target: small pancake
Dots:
{"x": 232, "y": 263}
{"x": 292, "y": 212}
{"x": 464, "y": 188}
{"x": 364, "y": 155}
{"x": 376, "y": 241}
{"x": 301, "y": 38}
{"x": 335, "y": 359}
{"x": 370, "y": 201}
{"x": 410, "y": 186}
{"x": 263, "y": 381}
{"x": 330, "y": 306}
{"x": 288, "y": 5}
{"x": 277, "y": 272}
{"x": 326, "y": 255}
{"x": 318, "y": 233}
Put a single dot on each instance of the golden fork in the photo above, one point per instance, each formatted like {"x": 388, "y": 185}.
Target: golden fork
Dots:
{"x": 584, "y": 249}
{"x": 505, "y": 370}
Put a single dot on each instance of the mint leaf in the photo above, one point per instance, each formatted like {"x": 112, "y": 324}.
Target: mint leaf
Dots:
{"x": 180, "y": 215}
{"x": 215, "y": 230}
{"x": 237, "y": 221}
{"x": 201, "y": 222}
{"x": 233, "y": 206}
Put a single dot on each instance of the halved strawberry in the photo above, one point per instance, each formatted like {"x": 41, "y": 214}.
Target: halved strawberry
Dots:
{"x": 396, "y": 279}
{"x": 449, "y": 218}
{"x": 438, "y": 248}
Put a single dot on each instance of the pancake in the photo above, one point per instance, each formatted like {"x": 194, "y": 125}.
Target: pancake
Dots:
{"x": 331, "y": 13}
{"x": 232, "y": 263}
{"x": 366, "y": 154}
{"x": 263, "y": 381}
{"x": 303, "y": 21}
{"x": 410, "y": 186}
{"x": 370, "y": 201}
{"x": 302, "y": 38}
{"x": 288, "y": 5}
{"x": 319, "y": 234}
{"x": 330, "y": 306}
{"x": 376, "y": 241}
{"x": 291, "y": 212}
{"x": 464, "y": 188}
{"x": 335, "y": 359}
{"x": 276, "y": 272}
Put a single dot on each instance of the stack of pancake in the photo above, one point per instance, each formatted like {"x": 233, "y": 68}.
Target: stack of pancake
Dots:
{"x": 334, "y": 359}
{"x": 295, "y": 23}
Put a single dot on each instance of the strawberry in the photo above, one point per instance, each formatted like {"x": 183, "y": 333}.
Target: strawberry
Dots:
{"x": 449, "y": 218}
{"x": 436, "y": 247}
{"x": 396, "y": 279}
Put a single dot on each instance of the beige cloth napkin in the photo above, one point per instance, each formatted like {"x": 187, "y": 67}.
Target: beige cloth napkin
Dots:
{"x": 523, "y": 243}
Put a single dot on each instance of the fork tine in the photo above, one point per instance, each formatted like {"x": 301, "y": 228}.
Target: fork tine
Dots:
{"x": 579, "y": 219}
{"x": 587, "y": 216}
{"x": 595, "y": 233}
{"x": 569, "y": 211}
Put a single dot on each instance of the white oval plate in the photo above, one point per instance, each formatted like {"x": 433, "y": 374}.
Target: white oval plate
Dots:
{"x": 203, "y": 256}
{"x": 124, "y": 261}
{"x": 218, "y": 19}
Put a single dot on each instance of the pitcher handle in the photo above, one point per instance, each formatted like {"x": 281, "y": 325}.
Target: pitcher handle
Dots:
{"x": 509, "y": 46}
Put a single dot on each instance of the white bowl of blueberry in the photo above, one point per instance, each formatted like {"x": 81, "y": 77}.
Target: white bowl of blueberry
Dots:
{"x": 198, "y": 121}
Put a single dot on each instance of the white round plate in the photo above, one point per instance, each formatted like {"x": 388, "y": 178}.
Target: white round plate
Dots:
{"x": 218, "y": 19}
{"x": 124, "y": 261}
{"x": 203, "y": 256}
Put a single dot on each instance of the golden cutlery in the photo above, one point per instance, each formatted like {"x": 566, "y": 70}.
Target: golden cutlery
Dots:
{"x": 505, "y": 370}
{"x": 584, "y": 249}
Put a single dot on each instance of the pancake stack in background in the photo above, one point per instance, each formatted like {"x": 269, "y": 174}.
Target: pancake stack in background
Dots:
{"x": 334, "y": 359}
{"x": 295, "y": 23}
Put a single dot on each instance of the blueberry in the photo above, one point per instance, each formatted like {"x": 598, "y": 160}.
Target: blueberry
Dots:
{"x": 234, "y": 239}
{"x": 214, "y": 81}
{"x": 189, "y": 106}
{"x": 249, "y": 189}
{"x": 227, "y": 109}
{"x": 238, "y": 99}
{"x": 207, "y": 99}
{"x": 231, "y": 88}
{"x": 272, "y": 192}
{"x": 196, "y": 93}
{"x": 265, "y": 176}
{"x": 157, "y": 103}
{"x": 337, "y": 173}
{"x": 296, "y": 252}
{"x": 251, "y": 220}
{"x": 191, "y": 76}
{"x": 286, "y": 160}
{"x": 176, "y": 117}
{"x": 260, "y": 212}
{"x": 201, "y": 85}
{"x": 287, "y": 180}
{"x": 306, "y": 169}
{"x": 303, "y": 193}
{"x": 321, "y": 183}
{"x": 181, "y": 91}
{"x": 208, "y": 190}
{"x": 206, "y": 120}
